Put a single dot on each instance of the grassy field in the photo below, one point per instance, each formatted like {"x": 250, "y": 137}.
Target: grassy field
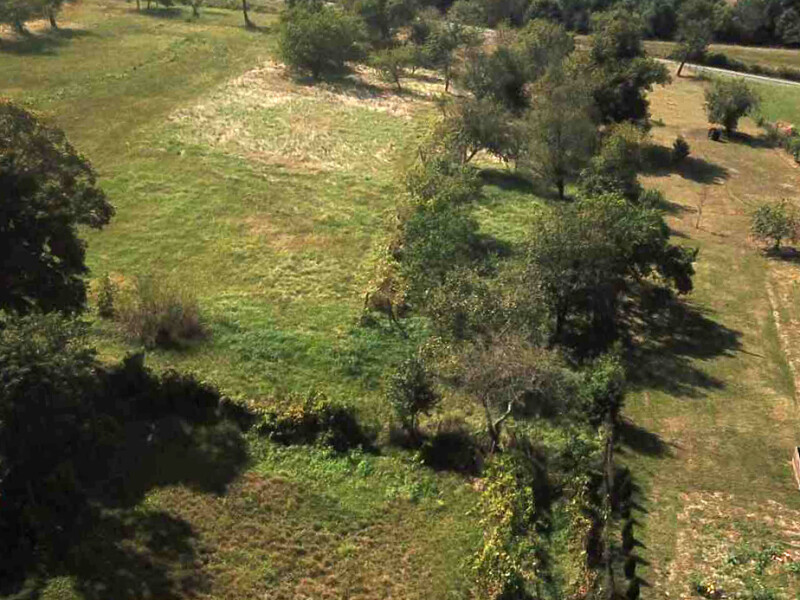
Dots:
{"x": 767, "y": 57}
{"x": 266, "y": 196}
{"x": 714, "y": 420}
{"x": 269, "y": 196}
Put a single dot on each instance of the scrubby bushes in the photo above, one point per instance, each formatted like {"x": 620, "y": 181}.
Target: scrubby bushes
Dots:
{"x": 411, "y": 393}
{"x": 316, "y": 419}
{"x": 680, "y": 150}
{"x": 319, "y": 40}
{"x": 153, "y": 311}
{"x": 391, "y": 63}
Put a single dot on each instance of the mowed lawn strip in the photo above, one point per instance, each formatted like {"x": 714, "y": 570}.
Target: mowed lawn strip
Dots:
{"x": 713, "y": 419}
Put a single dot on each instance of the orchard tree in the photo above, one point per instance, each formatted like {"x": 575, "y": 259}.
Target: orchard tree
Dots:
{"x": 47, "y": 189}
{"x": 443, "y": 42}
{"x": 543, "y": 45}
{"x": 583, "y": 257}
{"x": 319, "y": 39}
{"x": 411, "y": 394}
{"x": 621, "y": 73}
{"x": 774, "y": 222}
{"x": 16, "y": 12}
{"x": 391, "y": 63}
{"x": 559, "y": 134}
{"x": 728, "y": 100}
{"x": 509, "y": 378}
{"x": 695, "y": 30}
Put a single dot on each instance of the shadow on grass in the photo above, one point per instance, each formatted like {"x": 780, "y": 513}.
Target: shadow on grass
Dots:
{"x": 641, "y": 441}
{"x": 508, "y": 181}
{"x": 46, "y": 43}
{"x": 132, "y": 555}
{"x": 658, "y": 162}
{"x": 784, "y": 253}
{"x": 669, "y": 344}
{"x": 164, "y": 12}
{"x": 121, "y": 549}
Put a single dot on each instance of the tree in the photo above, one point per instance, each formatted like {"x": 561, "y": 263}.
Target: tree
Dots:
{"x": 411, "y": 394}
{"x": 319, "y": 40}
{"x": 391, "y": 63}
{"x": 728, "y": 100}
{"x": 583, "y": 257}
{"x": 383, "y": 17}
{"x": 695, "y": 30}
{"x": 613, "y": 170}
{"x": 543, "y": 45}
{"x": 247, "y": 22}
{"x": 471, "y": 125}
{"x": 440, "y": 47}
{"x": 16, "y": 12}
{"x": 47, "y": 190}
{"x": 501, "y": 76}
{"x": 559, "y": 133}
{"x": 621, "y": 73}
{"x": 508, "y": 377}
{"x": 775, "y": 221}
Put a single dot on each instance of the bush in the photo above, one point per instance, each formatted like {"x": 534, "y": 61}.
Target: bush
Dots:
{"x": 316, "y": 420}
{"x": 319, "y": 40}
{"x": 728, "y": 100}
{"x": 392, "y": 63}
{"x": 411, "y": 394}
{"x": 773, "y": 222}
{"x": 680, "y": 150}
{"x": 156, "y": 312}
{"x": 105, "y": 298}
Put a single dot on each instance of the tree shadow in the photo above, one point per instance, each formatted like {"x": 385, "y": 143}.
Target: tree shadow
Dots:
{"x": 132, "y": 555}
{"x": 787, "y": 254}
{"x": 668, "y": 344}
{"x": 641, "y": 441}
{"x": 658, "y": 162}
{"x": 507, "y": 181}
{"x": 162, "y": 431}
{"x": 41, "y": 43}
{"x": 164, "y": 12}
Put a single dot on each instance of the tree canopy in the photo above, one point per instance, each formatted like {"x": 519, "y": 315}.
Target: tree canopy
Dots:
{"x": 47, "y": 190}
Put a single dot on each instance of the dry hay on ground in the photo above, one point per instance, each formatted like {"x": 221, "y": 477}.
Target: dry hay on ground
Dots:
{"x": 718, "y": 538}
{"x": 266, "y": 116}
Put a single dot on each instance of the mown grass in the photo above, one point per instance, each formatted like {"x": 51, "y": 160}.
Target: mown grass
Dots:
{"x": 768, "y": 57}
{"x": 714, "y": 418}
{"x": 273, "y": 228}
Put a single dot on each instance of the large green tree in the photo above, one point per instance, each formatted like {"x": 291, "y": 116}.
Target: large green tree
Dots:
{"x": 621, "y": 73}
{"x": 47, "y": 190}
{"x": 583, "y": 257}
{"x": 695, "y": 29}
{"x": 559, "y": 133}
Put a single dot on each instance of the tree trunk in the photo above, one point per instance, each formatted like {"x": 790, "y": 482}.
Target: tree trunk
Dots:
{"x": 52, "y": 14}
{"x": 680, "y": 68}
{"x": 560, "y": 184}
{"x": 195, "y": 9}
{"x": 247, "y": 22}
{"x": 138, "y": 6}
{"x": 19, "y": 26}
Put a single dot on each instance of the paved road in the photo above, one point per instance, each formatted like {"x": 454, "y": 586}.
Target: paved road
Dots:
{"x": 715, "y": 70}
